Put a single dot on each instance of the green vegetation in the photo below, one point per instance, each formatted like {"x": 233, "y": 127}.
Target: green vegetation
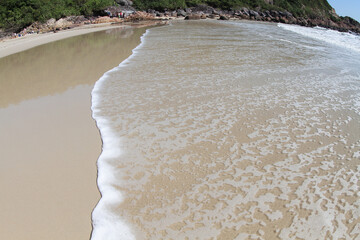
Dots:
{"x": 17, "y": 14}
{"x": 310, "y": 8}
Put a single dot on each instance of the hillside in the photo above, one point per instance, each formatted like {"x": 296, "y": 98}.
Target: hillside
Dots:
{"x": 18, "y": 14}
{"x": 308, "y": 8}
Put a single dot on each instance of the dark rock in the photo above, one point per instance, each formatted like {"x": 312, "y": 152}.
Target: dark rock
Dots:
{"x": 287, "y": 14}
{"x": 267, "y": 14}
{"x": 223, "y": 17}
{"x": 274, "y": 13}
{"x": 253, "y": 13}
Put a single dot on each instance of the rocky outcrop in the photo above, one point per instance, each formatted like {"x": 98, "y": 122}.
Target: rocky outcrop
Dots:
{"x": 337, "y": 23}
{"x": 139, "y": 16}
{"x": 107, "y": 20}
{"x": 195, "y": 13}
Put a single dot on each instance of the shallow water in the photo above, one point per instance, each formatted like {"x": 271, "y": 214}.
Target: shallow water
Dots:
{"x": 233, "y": 130}
{"x": 49, "y": 143}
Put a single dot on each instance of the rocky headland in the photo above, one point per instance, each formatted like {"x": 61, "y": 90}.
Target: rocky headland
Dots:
{"x": 125, "y": 13}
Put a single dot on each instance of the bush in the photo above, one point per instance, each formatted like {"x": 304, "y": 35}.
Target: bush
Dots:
{"x": 17, "y": 14}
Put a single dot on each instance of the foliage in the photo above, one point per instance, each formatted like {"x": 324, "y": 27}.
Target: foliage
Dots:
{"x": 309, "y": 8}
{"x": 159, "y": 5}
{"x": 17, "y": 14}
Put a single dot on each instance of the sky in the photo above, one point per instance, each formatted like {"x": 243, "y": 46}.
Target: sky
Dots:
{"x": 349, "y": 8}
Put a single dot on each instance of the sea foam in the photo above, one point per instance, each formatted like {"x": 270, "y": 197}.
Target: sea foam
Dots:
{"x": 106, "y": 224}
{"x": 341, "y": 39}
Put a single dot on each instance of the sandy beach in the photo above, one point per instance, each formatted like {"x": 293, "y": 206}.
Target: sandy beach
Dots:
{"x": 49, "y": 141}
{"x": 15, "y": 45}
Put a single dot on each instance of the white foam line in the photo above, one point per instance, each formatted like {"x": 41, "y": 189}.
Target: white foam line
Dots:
{"x": 345, "y": 40}
{"x": 106, "y": 224}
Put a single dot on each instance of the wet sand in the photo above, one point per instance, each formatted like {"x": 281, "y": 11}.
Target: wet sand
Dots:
{"x": 49, "y": 141}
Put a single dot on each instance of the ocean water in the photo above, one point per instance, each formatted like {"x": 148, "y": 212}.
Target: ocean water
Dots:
{"x": 231, "y": 130}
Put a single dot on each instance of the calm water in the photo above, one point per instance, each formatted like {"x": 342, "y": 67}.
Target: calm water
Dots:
{"x": 231, "y": 130}
{"x": 49, "y": 143}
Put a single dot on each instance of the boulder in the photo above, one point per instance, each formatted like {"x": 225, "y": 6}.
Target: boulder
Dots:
{"x": 51, "y": 22}
{"x": 245, "y": 11}
{"x": 193, "y": 17}
{"x": 223, "y": 17}
{"x": 62, "y": 23}
{"x": 139, "y": 16}
{"x": 107, "y": 20}
{"x": 254, "y": 14}
{"x": 181, "y": 13}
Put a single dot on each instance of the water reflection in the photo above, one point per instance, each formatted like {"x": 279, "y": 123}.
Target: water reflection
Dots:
{"x": 55, "y": 67}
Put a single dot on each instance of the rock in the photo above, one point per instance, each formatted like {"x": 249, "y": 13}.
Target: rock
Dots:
{"x": 51, "y": 22}
{"x": 76, "y": 19}
{"x": 267, "y": 14}
{"x": 139, "y": 16}
{"x": 274, "y": 13}
{"x": 193, "y": 17}
{"x": 254, "y": 14}
{"x": 288, "y": 14}
{"x": 216, "y": 12}
{"x": 245, "y": 11}
{"x": 62, "y": 23}
{"x": 223, "y": 17}
{"x": 283, "y": 20}
{"x": 107, "y": 20}
{"x": 181, "y": 12}
{"x": 158, "y": 14}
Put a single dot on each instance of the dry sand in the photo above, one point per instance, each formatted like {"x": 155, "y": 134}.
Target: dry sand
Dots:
{"x": 49, "y": 142}
{"x": 15, "y": 45}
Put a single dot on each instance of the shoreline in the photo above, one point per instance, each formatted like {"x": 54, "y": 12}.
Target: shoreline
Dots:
{"x": 14, "y": 45}
{"x": 9, "y": 46}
